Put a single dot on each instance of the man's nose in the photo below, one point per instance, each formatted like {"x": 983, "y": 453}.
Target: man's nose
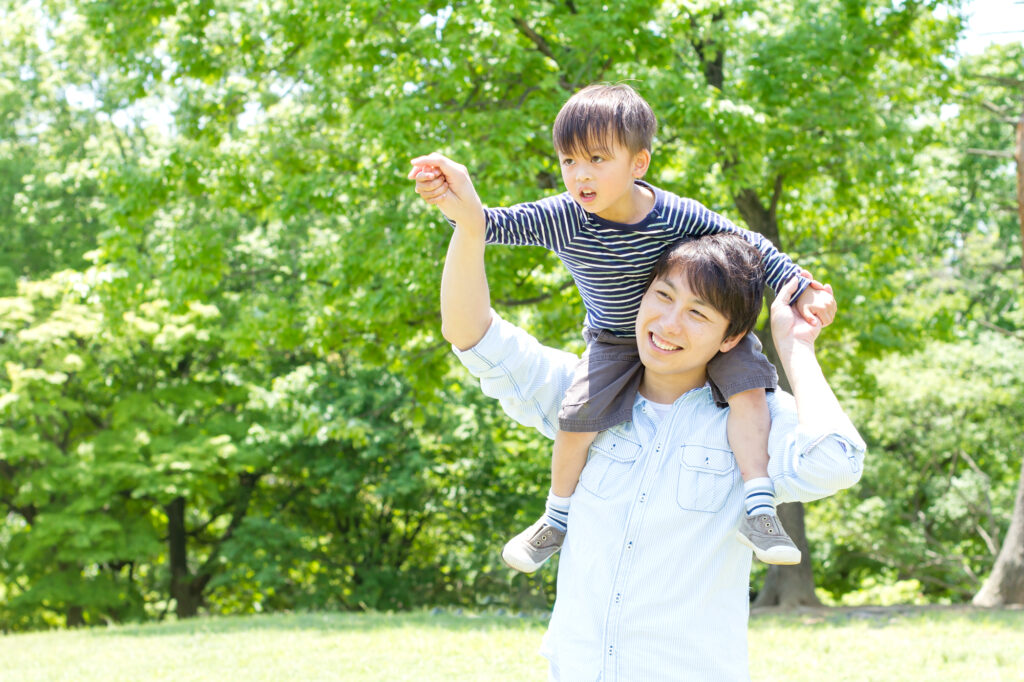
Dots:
{"x": 672, "y": 322}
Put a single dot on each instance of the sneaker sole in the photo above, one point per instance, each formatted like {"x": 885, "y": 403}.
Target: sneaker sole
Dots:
{"x": 525, "y": 566}
{"x": 776, "y": 556}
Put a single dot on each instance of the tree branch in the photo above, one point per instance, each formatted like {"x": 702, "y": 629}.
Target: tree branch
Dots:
{"x": 1005, "y": 332}
{"x": 543, "y": 47}
{"x": 511, "y": 302}
{"x": 994, "y": 153}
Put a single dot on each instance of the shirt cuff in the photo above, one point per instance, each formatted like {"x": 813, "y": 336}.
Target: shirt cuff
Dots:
{"x": 475, "y": 358}
{"x": 801, "y": 286}
{"x": 848, "y": 438}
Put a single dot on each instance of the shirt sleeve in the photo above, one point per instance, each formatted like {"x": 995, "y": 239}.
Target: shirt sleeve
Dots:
{"x": 805, "y": 463}
{"x": 693, "y": 219}
{"x": 548, "y": 223}
{"x": 528, "y": 379}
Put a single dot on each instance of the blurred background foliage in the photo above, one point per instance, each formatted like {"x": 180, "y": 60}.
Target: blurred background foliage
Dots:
{"x": 223, "y": 387}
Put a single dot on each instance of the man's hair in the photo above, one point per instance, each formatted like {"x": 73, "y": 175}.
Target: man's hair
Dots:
{"x": 725, "y": 270}
{"x": 599, "y": 115}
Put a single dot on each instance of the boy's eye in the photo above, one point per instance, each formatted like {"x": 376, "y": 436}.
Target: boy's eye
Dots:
{"x": 567, "y": 162}
{"x": 596, "y": 159}
{"x": 699, "y": 314}
{"x": 663, "y": 295}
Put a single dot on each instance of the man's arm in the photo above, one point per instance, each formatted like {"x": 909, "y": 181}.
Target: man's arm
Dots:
{"x": 794, "y": 340}
{"x": 814, "y": 449}
{"x": 465, "y": 297}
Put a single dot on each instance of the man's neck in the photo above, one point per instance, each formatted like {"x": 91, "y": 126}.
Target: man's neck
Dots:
{"x": 667, "y": 390}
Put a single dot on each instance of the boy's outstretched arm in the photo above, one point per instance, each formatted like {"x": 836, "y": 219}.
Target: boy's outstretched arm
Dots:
{"x": 465, "y": 297}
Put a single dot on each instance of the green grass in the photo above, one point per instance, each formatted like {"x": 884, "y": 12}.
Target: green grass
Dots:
{"x": 836, "y": 645}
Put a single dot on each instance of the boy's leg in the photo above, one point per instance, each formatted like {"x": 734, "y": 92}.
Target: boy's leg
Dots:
{"x": 743, "y": 377}
{"x": 601, "y": 395}
{"x": 527, "y": 551}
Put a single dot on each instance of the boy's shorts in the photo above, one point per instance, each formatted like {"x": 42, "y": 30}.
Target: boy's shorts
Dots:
{"x": 608, "y": 376}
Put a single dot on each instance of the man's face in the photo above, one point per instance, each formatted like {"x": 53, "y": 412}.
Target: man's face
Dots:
{"x": 601, "y": 180}
{"x": 677, "y": 332}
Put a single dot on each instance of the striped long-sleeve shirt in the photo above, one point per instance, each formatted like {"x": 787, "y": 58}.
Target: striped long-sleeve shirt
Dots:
{"x": 611, "y": 262}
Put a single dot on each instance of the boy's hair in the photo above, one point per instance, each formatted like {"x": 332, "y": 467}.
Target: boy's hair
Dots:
{"x": 725, "y": 270}
{"x": 602, "y": 114}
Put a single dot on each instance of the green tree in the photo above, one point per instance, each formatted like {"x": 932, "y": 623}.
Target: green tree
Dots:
{"x": 993, "y": 105}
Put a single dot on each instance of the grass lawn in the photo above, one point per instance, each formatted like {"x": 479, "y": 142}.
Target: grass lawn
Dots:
{"x": 884, "y": 644}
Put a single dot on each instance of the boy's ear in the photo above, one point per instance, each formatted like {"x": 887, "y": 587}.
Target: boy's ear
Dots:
{"x": 730, "y": 342}
{"x": 641, "y": 161}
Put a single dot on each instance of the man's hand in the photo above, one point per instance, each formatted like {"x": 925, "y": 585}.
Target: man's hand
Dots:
{"x": 790, "y": 327}
{"x": 446, "y": 184}
{"x": 816, "y": 304}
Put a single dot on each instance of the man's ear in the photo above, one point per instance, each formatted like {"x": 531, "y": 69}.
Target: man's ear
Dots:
{"x": 641, "y": 161}
{"x": 730, "y": 342}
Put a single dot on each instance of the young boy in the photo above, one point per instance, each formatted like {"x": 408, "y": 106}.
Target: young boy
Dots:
{"x": 609, "y": 228}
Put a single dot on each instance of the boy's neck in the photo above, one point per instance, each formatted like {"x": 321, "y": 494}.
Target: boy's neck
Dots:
{"x": 634, "y": 207}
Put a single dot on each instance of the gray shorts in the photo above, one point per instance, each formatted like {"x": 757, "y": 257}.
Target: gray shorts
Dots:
{"x": 608, "y": 376}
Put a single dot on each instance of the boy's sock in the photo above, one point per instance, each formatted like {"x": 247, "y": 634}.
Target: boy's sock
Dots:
{"x": 759, "y": 496}
{"x": 556, "y": 511}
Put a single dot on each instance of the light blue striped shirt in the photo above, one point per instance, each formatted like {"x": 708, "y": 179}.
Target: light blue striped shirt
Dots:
{"x": 611, "y": 262}
{"x": 652, "y": 583}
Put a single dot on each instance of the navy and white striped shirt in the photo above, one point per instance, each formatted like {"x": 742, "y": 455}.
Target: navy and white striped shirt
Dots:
{"x": 610, "y": 262}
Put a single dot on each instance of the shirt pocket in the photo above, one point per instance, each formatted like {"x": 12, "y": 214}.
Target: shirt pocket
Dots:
{"x": 609, "y": 464}
{"x": 706, "y": 478}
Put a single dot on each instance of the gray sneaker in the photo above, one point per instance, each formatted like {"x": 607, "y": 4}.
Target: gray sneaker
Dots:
{"x": 765, "y": 535}
{"x": 527, "y": 551}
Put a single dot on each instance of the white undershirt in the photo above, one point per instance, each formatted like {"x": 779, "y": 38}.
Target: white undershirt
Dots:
{"x": 658, "y": 411}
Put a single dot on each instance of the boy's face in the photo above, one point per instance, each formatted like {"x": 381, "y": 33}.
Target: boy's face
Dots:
{"x": 600, "y": 180}
{"x": 678, "y": 333}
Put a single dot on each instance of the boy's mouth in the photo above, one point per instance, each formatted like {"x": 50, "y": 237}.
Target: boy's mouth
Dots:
{"x": 587, "y": 195}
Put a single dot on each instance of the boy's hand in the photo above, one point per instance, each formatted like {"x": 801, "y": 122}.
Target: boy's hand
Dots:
{"x": 816, "y": 304}
{"x": 789, "y": 325}
{"x": 446, "y": 184}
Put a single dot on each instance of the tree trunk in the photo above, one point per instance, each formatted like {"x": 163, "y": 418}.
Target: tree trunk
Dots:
{"x": 785, "y": 586}
{"x": 74, "y": 617}
{"x": 1019, "y": 156}
{"x": 1005, "y": 585}
{"x": 182, "y": 589}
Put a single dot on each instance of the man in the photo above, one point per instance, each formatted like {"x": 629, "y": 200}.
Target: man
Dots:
{"x": 652, "y": 583}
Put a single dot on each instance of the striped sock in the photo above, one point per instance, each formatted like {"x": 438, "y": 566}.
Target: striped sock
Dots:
{"x": 759, "y": 496}
{"x": 556, "y": 511}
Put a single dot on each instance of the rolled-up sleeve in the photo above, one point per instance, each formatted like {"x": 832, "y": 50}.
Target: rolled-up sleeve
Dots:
{"x": 808, "y": 463}
{"x": 528, "y": 379}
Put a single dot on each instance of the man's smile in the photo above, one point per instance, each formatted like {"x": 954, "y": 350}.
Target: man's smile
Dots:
{"x": 661, "y": 343}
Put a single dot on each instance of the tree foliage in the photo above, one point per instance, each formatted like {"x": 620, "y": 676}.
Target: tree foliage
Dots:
{"x": 224, "y": 384}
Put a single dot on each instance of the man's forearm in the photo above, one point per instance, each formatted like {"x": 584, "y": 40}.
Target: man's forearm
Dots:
{"x": 816, "y": 403}
{"x": 465, "y": 297}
